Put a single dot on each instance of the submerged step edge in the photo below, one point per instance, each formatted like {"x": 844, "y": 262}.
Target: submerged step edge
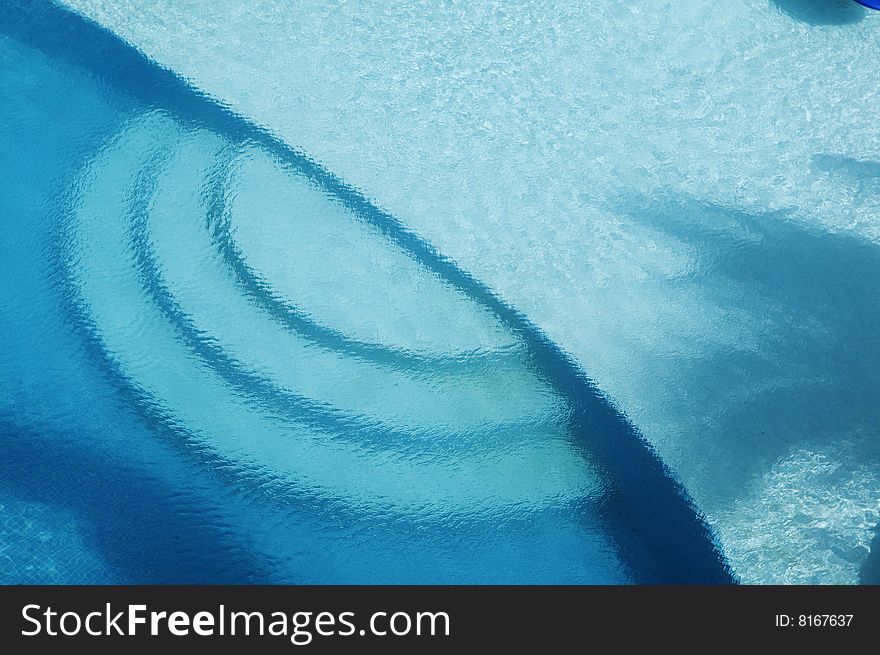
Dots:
{"x": 661, "y": 514}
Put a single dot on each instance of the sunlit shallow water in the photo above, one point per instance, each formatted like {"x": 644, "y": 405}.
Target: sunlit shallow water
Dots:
{"x": 681, "y": 196}
{"x": 219, "y": 356}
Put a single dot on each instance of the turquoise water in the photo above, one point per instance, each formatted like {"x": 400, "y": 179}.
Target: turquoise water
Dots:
{"x": 224, "y": 364}
{"x": 583, "y": 225}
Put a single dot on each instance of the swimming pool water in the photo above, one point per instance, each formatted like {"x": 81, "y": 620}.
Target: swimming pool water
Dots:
{"x": 221, "y": 355}
{"x": 678, "y": 199}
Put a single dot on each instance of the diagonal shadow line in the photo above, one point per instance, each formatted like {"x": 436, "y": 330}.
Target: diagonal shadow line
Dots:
{"x": 258, "y": 483}
{"x": 295, "y": 319}
{"x": 657, "y": 526}
{"x": 281, "y": 402}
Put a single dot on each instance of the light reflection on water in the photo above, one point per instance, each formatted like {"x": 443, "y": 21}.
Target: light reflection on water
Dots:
{"x": 204, "y": 324}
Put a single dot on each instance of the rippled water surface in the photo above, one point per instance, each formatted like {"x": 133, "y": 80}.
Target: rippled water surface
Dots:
{"x": 222, "y": 363}
{"x": 580, "y": 277}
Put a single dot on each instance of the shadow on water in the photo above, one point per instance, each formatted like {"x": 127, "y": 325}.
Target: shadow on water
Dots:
{"x": 657, "y": 527}
{"x": 146, "y": 532}
{"x": 822, "y": 12}
{"x": 865, "y": 174}
{"x": 870, "y": 572}
{"x": 860, "y": 175}
{"x": 798, "y": 365}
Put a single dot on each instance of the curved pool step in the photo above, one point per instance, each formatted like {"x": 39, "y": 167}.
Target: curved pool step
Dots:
{"x": 274, "y": 223}
{"x": 200, "y": 295}
{"x": 180, "y": 373}
{"x": 295, "y": 318}
{"x": 649, "y": 518}
{"x": 183, "y": 377}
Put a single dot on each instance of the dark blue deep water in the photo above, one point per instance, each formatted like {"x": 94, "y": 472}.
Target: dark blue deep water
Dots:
{"x": 220, "y": 363}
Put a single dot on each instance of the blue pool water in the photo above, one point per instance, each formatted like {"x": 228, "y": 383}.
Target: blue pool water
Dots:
{"x": 603, "y": 317}
{"x": 223, "y": 364}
